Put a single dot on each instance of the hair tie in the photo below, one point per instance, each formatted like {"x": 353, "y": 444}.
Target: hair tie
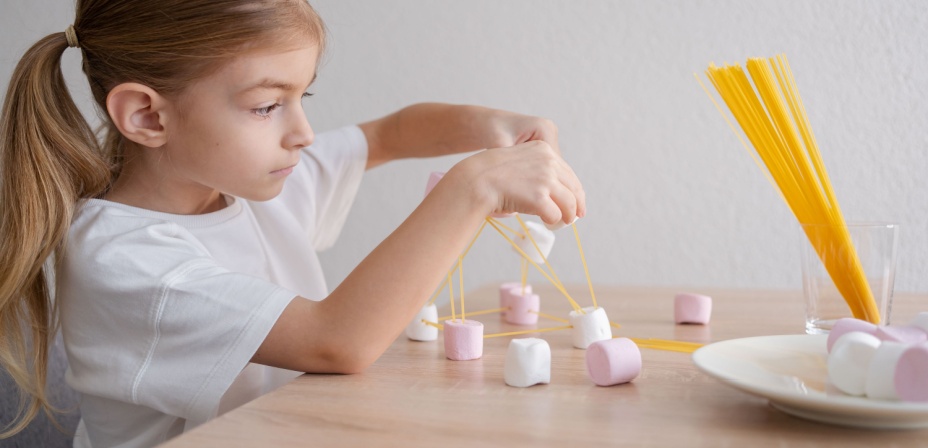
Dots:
{"x": 71, "y": 35}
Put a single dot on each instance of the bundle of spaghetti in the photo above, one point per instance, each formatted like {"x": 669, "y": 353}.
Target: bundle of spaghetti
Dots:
{"x": 774, "y": 120}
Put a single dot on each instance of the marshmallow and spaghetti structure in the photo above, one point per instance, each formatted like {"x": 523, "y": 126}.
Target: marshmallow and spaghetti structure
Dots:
{"x": 588, "y": 323}
{"x": 772, "y": 116}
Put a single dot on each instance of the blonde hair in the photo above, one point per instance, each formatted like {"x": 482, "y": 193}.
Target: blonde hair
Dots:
{"x": 51, "y": 158}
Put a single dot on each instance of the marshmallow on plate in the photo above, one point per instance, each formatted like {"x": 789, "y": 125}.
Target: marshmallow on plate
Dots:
{"x": 912, "y": 374}
{"x": 908, "y": 335}
{"x": 543, "y": 237}
{"x": 463, "y": 339}
{"x": 590, "y": 326}
{"x": 692, "y": 308}
{"x": 847, "y": 325}
{"x": 921, "y": 321}
{"x": 849, "y": 360}
{"x": 528, "y": 362}
{"x": 419, "y": 331}
{"x": 613, "y": 361}
{"x": 881, "y": 374}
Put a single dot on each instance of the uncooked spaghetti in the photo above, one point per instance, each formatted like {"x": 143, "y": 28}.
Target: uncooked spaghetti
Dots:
{"x": 774, "y": 120}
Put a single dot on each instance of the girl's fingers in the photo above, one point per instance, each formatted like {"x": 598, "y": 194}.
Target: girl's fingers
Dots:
{"x": 566, "y": 202}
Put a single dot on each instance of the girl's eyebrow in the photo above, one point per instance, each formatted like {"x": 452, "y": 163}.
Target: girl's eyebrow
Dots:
{"x": 272, "y": 84}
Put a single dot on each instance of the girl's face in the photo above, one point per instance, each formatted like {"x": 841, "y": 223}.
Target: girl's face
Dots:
{"x": 240, "y": 129}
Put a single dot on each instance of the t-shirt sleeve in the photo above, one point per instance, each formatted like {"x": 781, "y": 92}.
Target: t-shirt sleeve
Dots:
{"x": 323, "y": 186}
{"x": 168, "y": 328}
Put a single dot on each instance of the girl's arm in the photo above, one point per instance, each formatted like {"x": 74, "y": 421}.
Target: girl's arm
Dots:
{"x": 358, "y": 321}
{"x": 432, "y": 129}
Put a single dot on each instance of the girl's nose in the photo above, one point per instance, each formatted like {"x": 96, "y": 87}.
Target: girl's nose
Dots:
{"x": 300, "y": 134}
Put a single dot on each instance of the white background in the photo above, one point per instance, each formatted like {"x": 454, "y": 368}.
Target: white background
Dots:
{"x": 674, "y": 200}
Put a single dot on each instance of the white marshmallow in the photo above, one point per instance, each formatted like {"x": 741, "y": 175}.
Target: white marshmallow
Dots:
{"x": 921, "y": 321}
{"x": 881, "y": 375}
{"x": 418, "y": 331}
{"x": 542, "y": 236}
{"x": 528, "y": 362}
{"x": 589, "y": 327}
{"x": 849, "y": 360}
{"x": 560, "y": 224}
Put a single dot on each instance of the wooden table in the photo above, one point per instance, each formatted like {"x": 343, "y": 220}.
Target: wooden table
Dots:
{"x": 413, "y": 396}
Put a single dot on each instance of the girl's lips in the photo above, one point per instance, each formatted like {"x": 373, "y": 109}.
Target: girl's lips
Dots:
{"x": 284, "y": 171}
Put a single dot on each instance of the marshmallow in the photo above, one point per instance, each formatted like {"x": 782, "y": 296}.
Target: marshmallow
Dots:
{"x": 528, "y": 362}
{"x": 881, "y": 374}
{"x": 507, "y": 290}
{"x": 921, "y": 321}
{"x": 418, "y": 331}
{"x": 560, "y": 224}
{"x": 521, "y": 307}
{"x": 463, "y": 340}
{"x": 433, "y": 180}
{"x": 847, "y": 325}
{"x": 849, "y": 360}
{"x": 912, "y": 374}
{"x": 613, "y": 361}
{"x": 542, "y": 236}
{"x": 589, "y": 327}
{"x": 692, "y": 309}
{"x": 909, "y": 335}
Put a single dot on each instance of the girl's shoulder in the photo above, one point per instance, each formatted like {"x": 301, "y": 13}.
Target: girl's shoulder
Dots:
{"x": 109, "y": 232}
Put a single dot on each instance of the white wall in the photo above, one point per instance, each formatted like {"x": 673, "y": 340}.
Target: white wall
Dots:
{"x": 673, "y": 197}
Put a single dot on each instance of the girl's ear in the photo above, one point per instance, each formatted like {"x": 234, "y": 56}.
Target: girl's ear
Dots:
{"x": 138, "y": 111}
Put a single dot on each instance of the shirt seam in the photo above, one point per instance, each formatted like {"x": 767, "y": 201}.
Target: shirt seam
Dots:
{"x": 259, "y": 311}
{"x": 162, "y": 300}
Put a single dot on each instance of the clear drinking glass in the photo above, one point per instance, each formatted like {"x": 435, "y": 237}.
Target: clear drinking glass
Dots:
{"x": 875, "y": 244}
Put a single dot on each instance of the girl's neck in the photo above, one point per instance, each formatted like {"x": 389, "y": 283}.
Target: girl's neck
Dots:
{"x": 143, "y": 189}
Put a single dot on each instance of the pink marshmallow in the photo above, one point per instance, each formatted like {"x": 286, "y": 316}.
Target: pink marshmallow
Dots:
{"x": 908, "y": 334}
{"x": 613, "y": 361}
{"x": 463, "y": 340}
{"x": 847, "y": 325}
{"x": 692, "y": 308}
{"x": 509, "y": 289}
{"x": 433, "y": 180}
{"x": 911, "y": 377}
{"x": 521, "y": 307}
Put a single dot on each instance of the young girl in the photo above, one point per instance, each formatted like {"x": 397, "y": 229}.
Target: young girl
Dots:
{"x": 180, "y": 253}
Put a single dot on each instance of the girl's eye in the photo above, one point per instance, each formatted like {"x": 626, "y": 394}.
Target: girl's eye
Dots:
{"x": 265, "y": 112}
{"x": 307, "y": 94}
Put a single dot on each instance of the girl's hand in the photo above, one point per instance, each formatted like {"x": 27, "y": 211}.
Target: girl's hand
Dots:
{"x": 529, "y": 177}
{"x": 504, "y": 129}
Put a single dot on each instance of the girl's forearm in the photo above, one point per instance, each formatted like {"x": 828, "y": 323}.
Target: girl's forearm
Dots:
{"x": 370, "y": 308}
{"x": 431, "y": 129}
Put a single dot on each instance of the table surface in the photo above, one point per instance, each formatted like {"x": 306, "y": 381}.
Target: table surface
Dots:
{"x": 414, "y": 396}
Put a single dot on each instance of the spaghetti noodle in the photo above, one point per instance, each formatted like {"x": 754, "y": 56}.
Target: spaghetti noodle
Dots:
{"x": 774, "y": 120}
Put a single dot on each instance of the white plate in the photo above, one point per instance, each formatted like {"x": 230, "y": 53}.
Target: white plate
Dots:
{"x": 790, "y": 371}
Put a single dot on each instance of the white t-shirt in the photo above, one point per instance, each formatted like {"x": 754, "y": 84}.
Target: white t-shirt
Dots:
{"x": 162, "y": 313}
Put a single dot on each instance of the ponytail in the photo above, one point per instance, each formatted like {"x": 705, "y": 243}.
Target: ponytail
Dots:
{"x": 49, "y": 158}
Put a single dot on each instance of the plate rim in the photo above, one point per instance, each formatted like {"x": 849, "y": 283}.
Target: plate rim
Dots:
{"x": 827, "y": 405}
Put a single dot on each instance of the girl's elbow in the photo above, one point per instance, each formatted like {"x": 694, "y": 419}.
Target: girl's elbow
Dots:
{"x": 344, "y": 360}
